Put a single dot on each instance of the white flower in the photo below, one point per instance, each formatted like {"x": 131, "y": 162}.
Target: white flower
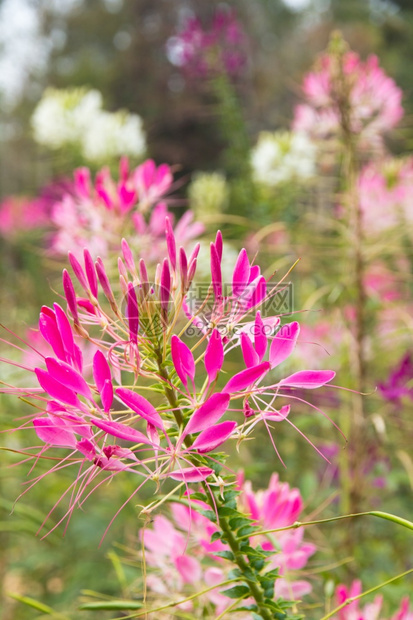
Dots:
{"x": 282, "y": 156}
{"x": 112, "y": 134}
{"x": 75, "y": 117}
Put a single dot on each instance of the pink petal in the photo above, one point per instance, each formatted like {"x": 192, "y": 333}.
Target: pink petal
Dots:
{"x": 70, "y": 294}
{"x": 216, "y": 274}
{"x": 192, "y": 474}
{"x": 165, "y": 286}
{"x": 107, "y": 395}
{"x": 90, "y": 272}
{"x": 122, "y": 431}
{"x": 214, "y": 355}
{"x": 248, "y": 351}
{"x": 170, "y": 242}
{"x": 309, "y": 379}
{"x": 68, "y": 376}
{"x": 65, "y": 330}
{"x": 48, "y": 329}
{"x": 189, "y": 568}
{"x": 140, "y": 405}
{"x": 132, "y": 313}
{"x": 278, "y": 416}
{"x": 246, "y": 378}
{"x": 241, "y": 273}
{"x": 56, "y": 389}
{"x": 183, "y": 360}
{"x": 213, "y": 437}
{"x": 208, "y": 413}
{"x": 48, "y": 432}
{"x": 260, "y": 336}
{"x": 283, "y": 343}
{"x": 101, "y": 370}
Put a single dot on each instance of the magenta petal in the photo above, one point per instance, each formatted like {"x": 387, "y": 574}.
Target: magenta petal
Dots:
{"x": 140, "y": 405}
{"x": 278, "y": 416}
{"x": 128, "y": 256}
{"x": 192, "y": 474}
{"x": 214, "y": 355}
{"x": 133, "y": 313}
{"x": 283, "y": 343}
{"x": 309, "y": 379}
{"x": 183, "y": 360}
{"x": 260, "y": 336}
{"x": 55, "y": 389}
{"x": 106, "y": 395}
{"x": 68, "y": 376}
{"x": 245, "y": 378}
{"x": 90, "y": 272}
{"x": 208, "y": 413}
{"x": 48, "y": 432}
{"x": 170, "y": 242}
{"x": 241, "y": 273}
{"x": 48, "y": 329}
{"x": 216, "y": 274}
{"x": 122, "y": 431}
{"x": 248, "y": 351}
{"x": 87, "y": 448}
{"x": 213, "y": 437}
{"x": 101, "y": 370}
{"x": 189, "y": 568}
{"x": 70, "y": 294}
{"x": 65, "y": 330}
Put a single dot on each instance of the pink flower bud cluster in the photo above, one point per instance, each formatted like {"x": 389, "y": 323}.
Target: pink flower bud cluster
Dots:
{"x": 182, "y": 557}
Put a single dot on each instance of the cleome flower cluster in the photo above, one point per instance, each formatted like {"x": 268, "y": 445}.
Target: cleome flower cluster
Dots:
{"x": 153, "y": 405}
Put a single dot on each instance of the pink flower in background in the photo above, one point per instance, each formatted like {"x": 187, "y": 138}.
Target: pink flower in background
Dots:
{"x": 219, "y": 49}
{"x": 368, "y": 611}
{"x": 19, "y": 215}
{"x": 275, "y": 507}
{"x": 97, "y": 215}
{"x": 386, "y": 194}
{"x": 374, "y": 99}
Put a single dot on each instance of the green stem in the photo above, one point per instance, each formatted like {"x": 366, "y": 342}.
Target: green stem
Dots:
{"x": 373, "y": 513}
{"x": 213, "y": 501}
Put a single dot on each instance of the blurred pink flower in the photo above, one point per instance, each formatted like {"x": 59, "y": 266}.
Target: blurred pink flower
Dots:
{"x": 386, "y": 194}
{"x": 97, "y": 215}
{"x": 19, "y": 215}
{"x": 374, "y": 99}
{"x": 370, "y": 611}
{"x": 202, "y": 52}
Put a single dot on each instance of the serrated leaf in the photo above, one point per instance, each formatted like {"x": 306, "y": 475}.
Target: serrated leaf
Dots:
{"x": 237, "y": 592}
{"x": 110, "y": 605}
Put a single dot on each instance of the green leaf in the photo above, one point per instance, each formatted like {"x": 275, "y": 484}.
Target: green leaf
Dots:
{"x": 256, "y": 616}
{"x": 31, "y": 602}
{"x": 216, "y": 536}
{"x": 226, "y": 511}
{"x": 237, "y": 522}
{"x": 237, "y": 592}
{"x": 227, "y": 555}
{"x": 246, "y": 530}
{"x": 208, "y": 514}
{"x": 110, "y": 605}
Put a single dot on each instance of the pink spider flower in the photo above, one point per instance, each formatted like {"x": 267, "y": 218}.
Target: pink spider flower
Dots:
{"x": 373, "y": 97}
{"x": 370, "y": 611}
{"x": 96, "y": 215}
{"x": 102, "y": 418}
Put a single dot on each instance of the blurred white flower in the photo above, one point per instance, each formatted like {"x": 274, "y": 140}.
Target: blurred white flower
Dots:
{"x": 282, "y": 156}
{"x": 208, "y": 193}
{"x": 75, "y": 116}
{"x": 113, "y": 134}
